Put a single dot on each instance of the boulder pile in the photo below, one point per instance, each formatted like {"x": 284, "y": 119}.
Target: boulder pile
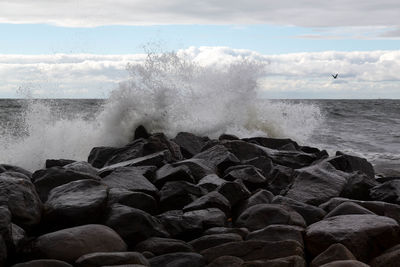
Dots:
{"x": 195, "y": 201}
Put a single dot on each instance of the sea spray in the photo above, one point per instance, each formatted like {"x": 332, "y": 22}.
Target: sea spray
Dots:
{"x": 168, "y": 92}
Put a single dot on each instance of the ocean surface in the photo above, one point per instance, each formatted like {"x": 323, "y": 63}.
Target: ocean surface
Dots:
{"x": 34, "y": 130}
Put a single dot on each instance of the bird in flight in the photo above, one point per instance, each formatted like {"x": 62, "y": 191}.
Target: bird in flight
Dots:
{"x": 335, "y": 76}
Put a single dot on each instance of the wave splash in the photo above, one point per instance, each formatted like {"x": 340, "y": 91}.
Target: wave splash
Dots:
{"x": 168, "y": 92}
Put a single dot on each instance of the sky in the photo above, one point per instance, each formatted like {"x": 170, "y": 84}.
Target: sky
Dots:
{"x": 80, "y": 49}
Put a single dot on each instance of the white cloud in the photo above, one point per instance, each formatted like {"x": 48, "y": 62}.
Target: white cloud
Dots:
{"x": 314, "y": 13}
{"x": 371, "y": 74}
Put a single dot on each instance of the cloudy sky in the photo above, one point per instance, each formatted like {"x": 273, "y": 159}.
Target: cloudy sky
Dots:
{"x": 80, "y": 48}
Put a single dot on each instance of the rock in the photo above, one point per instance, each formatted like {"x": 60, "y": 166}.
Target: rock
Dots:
{"x": 228, "y": 137}
{"x": 11, "y": 168}
{"x": 98, "y": 259}
{"x": 179, "y": 226}
{"x": 18, "y": 237}
{"x": 226, "y": 261}
{"x": 334, "y": 252}
{"x": 377, "y": 207}
{"x": 254, "y": 250}
{"x": 317, "y": 184}
{"x": 278, "y": 232}
{"x": 3, "y": 251}
{"x": 211, "y": 217}
{"x": 390, "y": 258}
{"x": 177, "y": 194}
{"x": 43, "y": 263}
{"x": 134, "y": 225}
{"x": 348, "y": 208}
{"x": 20, "y": 196}
{"x": 71, "y": 243}
{"x": 207, "y": 241}
{"x": 137, "y": 200}
{"x": 81, "y": 166}
{"x": 365, "y": 235}
{"x": 76, "y": 203}
{"x": 262, "y": 215}
{"x": 345, "y": 263}
{"x": 141, "y": 132}
{"x": 234, "y": 191}
{"x": 179, "y": 259}
{"x": 348, "y": 163}
{"x": 279, "y": 179}
{"x": 261, "y": 196}
{"x": 98, "y": 156}
{"x": 290, "y": 261}
{"x": 198, "y": 167}
{"x": 262, "y": 163}
{"x": 210, "y": 182}
{"x": 250, "y": 175}
{"x": 210, "y": 200}
{"x": 273, "y": 143}
{"x": 387, "y": 192}
{"x": 47, "y": 179}
{"x": 243, "y": 232}
{"x": 169, "y": 173}
{"x": 159, "y": 246}
{"x": 190, "y": 144}
{"x": 130, "y": 178}
{"x": 311, "y": 214}
{"x": 158, "y": 142}
{"x": 218, "y": 158}
{"x": 358, "y": 186}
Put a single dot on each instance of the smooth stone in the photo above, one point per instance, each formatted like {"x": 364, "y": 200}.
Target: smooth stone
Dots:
{"x": 207, "y": 241}
{"x": 180, "y": 226}
{"x": 159, "y": 246}
{"x": 12, "y": 168}
{"x": 278, "y": 232}
{"x": 348, "y": 208}
{"x": 43, "y": 263}
{"x": 390, "y": 258}
{"x": 290, "y": 261}
{"x": 348, "y": 163}
{"x": 98, "y": 259}
{"x": 387, "y": 192}
{"x": 218, "y": 158}
{"x": 179, "y": 259}
{"x": 334, "y": 252}
{"x": 226, "y": 261}
{"x": 211, "y": 217}
{"x": 243, "y": 232}
{"x": 261, "y": 196}
{"x": 345, "y": 263}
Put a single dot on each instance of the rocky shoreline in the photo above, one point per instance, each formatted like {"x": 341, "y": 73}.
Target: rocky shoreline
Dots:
{"x": 195, "y": 201}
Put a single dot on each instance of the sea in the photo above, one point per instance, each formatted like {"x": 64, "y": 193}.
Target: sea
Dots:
{"x": 168, "y": 94}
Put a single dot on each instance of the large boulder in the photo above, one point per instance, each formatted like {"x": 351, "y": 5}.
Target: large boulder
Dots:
{"x": 12, "y": 168}
{"x": 234, "y": 191}
{"x": 210, "y": 200}
{"x": 390, "y": 258}
{"x": 180, "y": 226}
{"x": 137, "y": 200}
{"x": 210, "y": 217}
{"x": 335, "y": 252}
{"x": 178, "y": 259}
{"x": 210, "y": 182}
{"x": 169, "y": 173}
{"x": 19, "y": 195}
{"x": 226, "y": 261}
{"x": 159, "y": 246}
{"x": 98, "y": 259}
{"x": 280, "y": 178}
{"x": 218, "y": 158}
{"x": 43, "y": 263}
{"x": 290, "y": 261}
{"x": 261, "y": 196}
{"x": 189, "y": 143}
{"x": 348, "y": 208}
{"x": 81, "y": 166}
{"x": 177, "y": 194}
{"x": 208, "y": 241}
{"x": 76, "y": 203}
{"x": 348, "y": 163}
{"x": 278, "y": 232}
{"x": 248, "y": 174}
{"x": 365, "y": 235}
{"x": 198, "y": 167}
{"x": 358, "y": 186}
{"x": 71, "y": 243}
{"x": 387, "y": 192}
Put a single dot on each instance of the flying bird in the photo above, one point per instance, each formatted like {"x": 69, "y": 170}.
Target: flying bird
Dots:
{"x": 335, "y": 76}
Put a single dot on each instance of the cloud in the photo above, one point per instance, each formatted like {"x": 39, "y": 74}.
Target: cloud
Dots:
{"x": 304, "y": 13}
{"x": 370, "y": 74}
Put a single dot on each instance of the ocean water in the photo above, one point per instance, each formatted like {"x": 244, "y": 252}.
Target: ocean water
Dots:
{"x": 171, "y": 94}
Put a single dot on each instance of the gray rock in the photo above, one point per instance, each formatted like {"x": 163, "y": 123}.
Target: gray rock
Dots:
{"x": 190, "y": 144}
{"x": 11, "y": 168}
{"x": 180, "y": 226}
{"x": 234, "y": 191}
{"x": 290, "y": 261}
{"x": 210, "y": 182}
{"x": 259, "y": 197}
{"x": 345, "y": 263}
{"x": 137, "y": 200}
{"x": 179, "y": 259}
{"x": 390, "y": 258}
{"x": 250, "y": 175}
{"x": 334, "y": 252}
{"x": 243, "y": 232}
{"x": 348, "y": 163}
{"x": 169, "y": 173}
{"x": 278, "y": 232}
{"x": 218, "y": 158}
{"x": 208, "y": 241}
{"x": 98, "y": 259}
{"x": 43, "y": 263}
{"x": 348, "y": 208}
{"x": 226, "y": 261}
{"x": 208, "y": 218}
{"x": 198, "y": 167}
{"x": 177, "y": 194}
{"x": 159, "y": 246}
{"x": 387, "y": 192}
{"x": 210, "y": 200}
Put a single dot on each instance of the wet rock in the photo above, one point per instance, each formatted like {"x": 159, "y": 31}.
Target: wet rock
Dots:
{"x": 260, "y": 197}
{"x": 243, "y": 232}
{"x": 177, "y": 194}
{"x": 134, "y": 225}
{"x": 11, "y": 168}
{"x": 99, "y": 156}
{"x": 47, "y": 179}
{"x": 71, "y": 243}
{"x": 348, "y": 208}
{"x": 234, "y": 191}
{"x": 273, "y": 143}
{"x": 76, "y": 203}
{"x": 226, "y": 261}
{"x": 3, "y": 251}
{"x": 311, "y": 214}
{"x": 158, "y": 142}
{"x": 207, "y": 241}
{"x": 250, "y": 176}
{"x": 218, "y": 158}
{"x": 18, "y": 237}
{"x": 278, "y": 232}
{"x": 279, "y": 179}
{"x": 334, "y": 252}
{"x": 210, "y": 200}
{"x": 390, "y": 258}
{"x": 180, "y": 226}
{"x": 198, "y": 167}
{"x": 130, "y": 151}
{"x": 262, "y": 163}
{"x": 387, "y": 192}
{"x": 179, "y": 259}
{"x": 358, "y": 186}
{"x": 159, "y": 246}
{"x": 345, "y": 263}
{"x": 211, "y": 182}
{"x": 137, "y": 200}
{"x": 189, "y": 143}
{"x": 228, "y": 137}
{"x": 20, "y": 196}
{"x": 348, "y": 163}
{"x": 291, "y": 261}
{"x": 168, "y": 173}
{"x": 141, "y": 132}
{"x": 57, "y": 162}
{"x": 99, "y": 259}
{"x": 211, "y": 217}
{"x": 262, "y": 215}
{"x": 130, "y": 178}
{"x": 43, "y": 263}
{"x": 366, "y": 236}
{"x": 81, "y": 166}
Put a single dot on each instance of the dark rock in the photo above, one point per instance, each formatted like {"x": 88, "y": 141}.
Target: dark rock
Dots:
{"x": 254, "y": 250}
{"x": 98, "y": 156}
{"x": 290, "y": 261}
{"x": 261, "y": 215}
{"x": 47, "y": 179}
{"x": 243, "y": 232}
{"x": 262, "y": 163}
{"x": 137, "y": 200}
{"x": 18, "y": 237}
{"x": 260, "y": 197}
{"x": 57, "y": 162}
{"x": 318, "y": 183}
{"x": 345, "y": 263}
{"x": 218, "y": 158}
{"x": 3, "y": 251}
{"x": 43, "y": 263}
{"x": 20, "y": 196}
{"x": 179, "y": 259}
{"x": 279, "y": 179}
{"x": 366, "y": 236}
{"x": 311, "y": 214}
{"x": 335, "y": 252}
{"x": 134, "y": 225}
{"x": 179, "y": 226}
{"x": 208, "y": 218}
{"x": 234, "y": 191}
{"x": 81, "y": 166}
{"x": 130, "y": 178}
{"x": 226, "y": 261}
{"x": 141, "y": 132}
{"x": 190, "y": 144}
{"x": 76, "y": 203}
{"x": 278, "y": 232}
{"x": 273, "y": 143}
{"x": 99, "y": 259}
{"x": 348, "y": 163}
{"x": 198, "y": 167}
{"x": 159, "y": 142}
{"x": 159, "y": 246}
{"x": 387, "y": 192}
{"x": 377, "y": 207}
{"x": 210, "y": 200}
{"x": 168, "y": 173}
{"x": 177, "y": 194}
{"x": 390, "y": 258}
{"x": 208, "y": 241}
{"x": 11, "y": 168}
{"x": 131, "y": 151}
{"x": 250, "y": 176}
{"x": 228, "y": 137}
{"x": 348, "y": 208}
{"x": 358, "y": 186}
{"x": 70, "y": 244}
{"x": 211, "y": 182}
